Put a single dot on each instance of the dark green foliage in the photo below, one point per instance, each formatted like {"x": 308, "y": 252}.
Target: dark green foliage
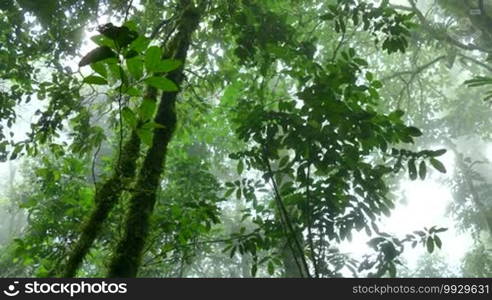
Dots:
{"x": 286, "y": 144}
{"x": 96, "y": 55}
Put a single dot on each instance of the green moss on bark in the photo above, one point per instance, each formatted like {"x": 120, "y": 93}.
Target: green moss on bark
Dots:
{"x": 105, "y": 199}
{"x": 128, "y": 255}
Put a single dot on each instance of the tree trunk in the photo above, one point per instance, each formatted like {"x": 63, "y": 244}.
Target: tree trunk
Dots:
{"x": 128, "y": 254}
{"x": 105, "y": 199}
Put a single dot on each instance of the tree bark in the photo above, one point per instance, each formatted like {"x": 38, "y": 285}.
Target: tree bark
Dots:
{"x": 105, "y": 199}
{"x": 129, "y": 251}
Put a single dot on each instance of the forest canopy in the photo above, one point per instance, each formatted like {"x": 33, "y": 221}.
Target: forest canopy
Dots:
{"x": 273, "y": 138}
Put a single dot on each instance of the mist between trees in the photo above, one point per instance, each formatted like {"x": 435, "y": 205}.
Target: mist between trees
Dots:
{"x": 198, "y": 138}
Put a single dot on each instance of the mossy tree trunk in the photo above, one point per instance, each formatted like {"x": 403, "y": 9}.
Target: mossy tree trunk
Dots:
{"x": 128, "y": 255}
{"x": 106, "y": 197}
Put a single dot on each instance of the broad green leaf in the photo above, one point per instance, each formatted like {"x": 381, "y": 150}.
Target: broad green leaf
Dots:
{"x": 147, "y": 109}
{"x": 129, "y": 117}
{"x": 115, "y": 71}
{"x": 438, "y": 165}
{"x": 135, "y": 66}
{"x": 100, "y": 68}
{"x": 140, "y": 44}
{"x": 121, "y": 35}
{"x": 98, "y": 54}
{"x": 130, "y": 24}
{"x": 145, "y": 135}
{"x": 92, "y": 79}
{"x": 150, "y": 126}
{"x": 167, "y": 65}
{"x": 133, "y": 91}
{"x": 230, "y": 94}
{"x": 101, "y": 40}
{"x": 152, "y": 58}
{"x": 162, "y": 83}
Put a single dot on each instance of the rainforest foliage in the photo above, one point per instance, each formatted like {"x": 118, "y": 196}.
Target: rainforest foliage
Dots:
{"x": 176, "y": 138}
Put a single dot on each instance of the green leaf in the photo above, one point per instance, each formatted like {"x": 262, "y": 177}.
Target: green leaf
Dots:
{"x": 254, "y": 269}
{"x": 100, "y": 68}
{"x": 437, "y": 152}
{"x": 430, "y": 245}
{"x": 135, "y": 66}
{"x": 422, "y": 170}
{"x": 377, "y": 84}
{"x": 150, "y": 126}
{"x": 162, "y": 83}
{"x": 438, "y": 241}
{"x": 412, "y": 170}
{"x": 230, "y": 94}
{"x": 240, "y": 167}
{"x": 438, "y": 165}
{"x": 122, "y": 36}
{"x": 147, "y": 109}
{"x": 271, "y": 268}
{"x": 283, "y": 161}
{"x": 133, "y": 91}
{"x": 414, "y": 131}
{"x": 115, "y": 71}
{"x": 129, "y": 117}
{"x": 130, "y": 24}
{"x": 98, "y": 54}
{"x": 152, "y": 58}
{"x": 478, "y": 81}
{"x": 167, "y": 65}
{"x": 140, "y": 44}
{"x": 228, "y": 193}
{"x": 145, "y": 135}
{"x": 17, "y": 150}
{"x": 92, "y": 79}
{"x": 101, "y": 40}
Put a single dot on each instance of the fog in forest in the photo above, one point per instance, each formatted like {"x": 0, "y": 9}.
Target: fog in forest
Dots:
{"x": 196, "y": 138}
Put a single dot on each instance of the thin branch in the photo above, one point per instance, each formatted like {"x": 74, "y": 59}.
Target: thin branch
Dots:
{"x": 309, "y": 220}
{"x": 443, "y": 36}
{"x": 128, "y": 10}
{"x": 335, "y": 52}
{"x": 413, "y": 72}
{"x": 93, "y": 168}
{"x": 489, "y": 68}
{"x": 285, "y": 215}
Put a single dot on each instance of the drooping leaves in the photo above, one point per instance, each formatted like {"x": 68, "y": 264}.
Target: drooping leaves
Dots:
{"x": 438, "y": 165}
{"x": 96, "y": 55}
{"x": 162, "y": 83}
